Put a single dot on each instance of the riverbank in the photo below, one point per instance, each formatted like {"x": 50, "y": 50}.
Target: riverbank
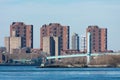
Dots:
{"x": 64, "y": 66}
{"x": 79, "y": 66}
{"x": 8, "y": 64}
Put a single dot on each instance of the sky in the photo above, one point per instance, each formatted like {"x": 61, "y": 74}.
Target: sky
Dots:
{"x": 78, "y": 14}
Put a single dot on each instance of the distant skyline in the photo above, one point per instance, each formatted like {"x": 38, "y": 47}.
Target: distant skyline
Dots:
{"x": 78, "y": 14}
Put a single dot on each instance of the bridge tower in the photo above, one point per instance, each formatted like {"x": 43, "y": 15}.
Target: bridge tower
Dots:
{"x": 88, "y": 47}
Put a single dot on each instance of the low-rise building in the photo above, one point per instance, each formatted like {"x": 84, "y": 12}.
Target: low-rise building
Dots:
{"x": 13, "y": 43}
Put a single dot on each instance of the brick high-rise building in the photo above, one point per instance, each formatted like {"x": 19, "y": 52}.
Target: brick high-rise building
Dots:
{"x": 98, "y": 38}
{"x": 57, "y": 30}
{"x": 23, "y": 31}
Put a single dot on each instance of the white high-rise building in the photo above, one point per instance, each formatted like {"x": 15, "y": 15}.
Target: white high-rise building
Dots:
{"x": 75, "y": 41}
{"x": 83, "y": 44}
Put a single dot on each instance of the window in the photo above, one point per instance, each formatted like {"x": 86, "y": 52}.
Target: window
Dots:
{"x": 93, "y": 38}
{"x": 24, "y": 27}
{"x": 30, "y": 31}
{"x": 18, "y": 28}
{"x": 93, "y": 34}
{"x": 61, "y": 32}
{"x": 55, "y": 29}
{"x": 24, "y": 34}
{"x": 43, "y": 30}
{"x": 18, "y": 35}
{"x": 93, "y": 47}
{"x": 55, "y": 32}
{"x": 24, "y": 31}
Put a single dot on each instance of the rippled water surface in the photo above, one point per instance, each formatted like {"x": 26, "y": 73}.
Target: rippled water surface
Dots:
{"x": 33, "y": 73}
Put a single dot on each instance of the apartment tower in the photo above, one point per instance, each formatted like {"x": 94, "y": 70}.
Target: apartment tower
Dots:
{"x": 55, "y": 30}
{"x": 24, "y": 31}
{"x": 98, "y": 39}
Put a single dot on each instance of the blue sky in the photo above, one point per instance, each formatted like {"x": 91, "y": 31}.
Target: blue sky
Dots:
{"x": 78, "y": 14}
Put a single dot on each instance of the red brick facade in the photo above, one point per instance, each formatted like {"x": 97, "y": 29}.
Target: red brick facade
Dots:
{"x": 23, "y": 31}
{"x": 57, "y": 30}
{"x": 98, "y": 38}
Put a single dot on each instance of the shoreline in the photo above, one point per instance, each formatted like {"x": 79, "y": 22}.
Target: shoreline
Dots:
{"x": 18, "y": 64}
{"x": 63, "y": 66}
{"x": 81, "y": 66}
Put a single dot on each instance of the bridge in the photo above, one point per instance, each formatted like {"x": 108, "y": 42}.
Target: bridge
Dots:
{"x": 88, "y": 54}
{"x": 82, "y": 55}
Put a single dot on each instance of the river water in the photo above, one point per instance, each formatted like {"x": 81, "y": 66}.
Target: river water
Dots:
{"x": 33, "y": 73}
